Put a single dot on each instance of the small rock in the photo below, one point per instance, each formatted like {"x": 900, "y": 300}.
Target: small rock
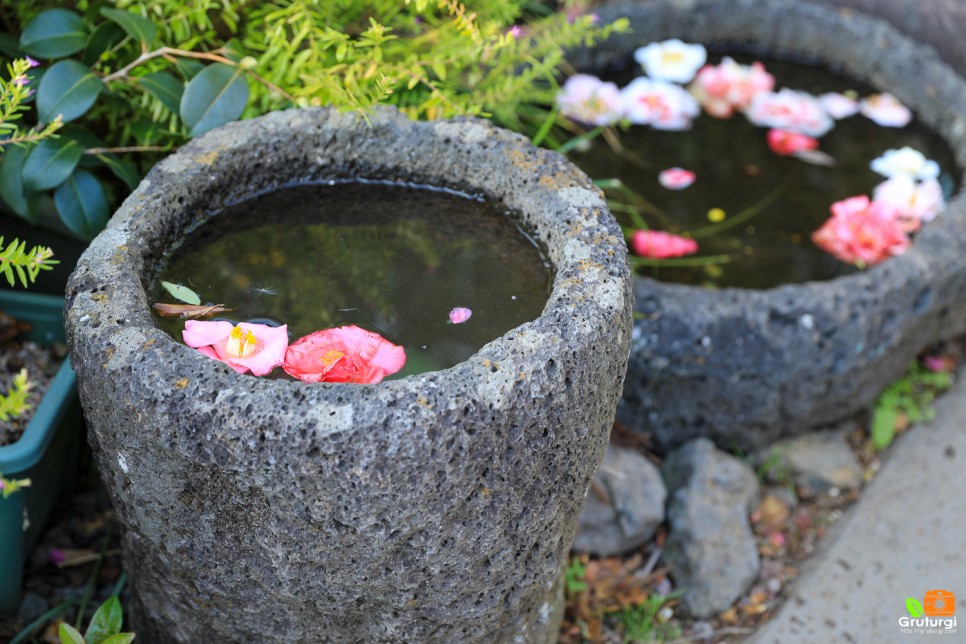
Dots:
{"x": 710, "y": 550}
{"x": 773, "y": 511}
{"x": 32, "y": 606}
{"x": 818, "y": 461}
{"x": 633, "y": 507}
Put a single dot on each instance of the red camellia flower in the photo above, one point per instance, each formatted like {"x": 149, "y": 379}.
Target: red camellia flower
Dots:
{"x": 862, "y": 232}
{"x": 788, "y": 143}
{"x": 343, "y": 354}
{"x": 661, "y": 245}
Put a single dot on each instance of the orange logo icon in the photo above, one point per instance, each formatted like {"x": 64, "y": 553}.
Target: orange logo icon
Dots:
{"x": 939, "y": 603}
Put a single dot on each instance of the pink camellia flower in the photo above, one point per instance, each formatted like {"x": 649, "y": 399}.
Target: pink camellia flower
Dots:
{"x": 938, "y": 364}
{"x": 343, "y": 354}
{"x": 788, "y": 143}
{"x": 886, "y": 110}
{"x": 662, "y": 105}
{"x": 657, "y": 244}
{"x": 588, "y": 99}
{"x": 861, "y": 232}
{"x": 727, "y": 87}
{"x": 914, "y": 202}
{"x": 459, "y": 315}
{"x": 676, "y": 178}
{"x": 838, "y": 106}
{"x": 258, "y": 348}
{"x": 790, "y": 110}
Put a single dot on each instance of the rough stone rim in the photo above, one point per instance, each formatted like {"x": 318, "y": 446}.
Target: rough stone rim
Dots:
{"x": 579, "y": 236}
{"x": 921, "y": 83}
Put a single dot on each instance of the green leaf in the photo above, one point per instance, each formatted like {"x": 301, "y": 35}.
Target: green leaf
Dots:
{"x": 8, "y": 45}
{"x": 104, "y": 36}
{"x": 69, "y": 89}
{"x": 105, "y": 622}
{"x": 189, "y": 67}
{"x": 49, "y": 163}
{"x": 69, "y": 635}
{"x": 165, "y": 88}
{"x": 120, "y": 638}
{"x": 123, "y": 170}
{"x": 137, "y": 27}
{"x": 214, "y": 97}
{"x": 11, "y": 184}
{"x": 54, "y": 33}
{"x": 914, "y": 607}
{"x": 883, "y": 427}
{"x": 182, "y": 293}
{"x": 82, "y": 204}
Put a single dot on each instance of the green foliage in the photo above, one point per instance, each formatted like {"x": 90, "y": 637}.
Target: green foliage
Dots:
{"x": 17, "y": 399}
{"x": 105, "y": 627}
{"x": 641, "y": 623}
{"x": 910, "y": 396}
{"x": 574, "y": 577}
{"x": 10, "y": 486}
{"x": 141, "y": 78}
{"x": 17, "y": 262}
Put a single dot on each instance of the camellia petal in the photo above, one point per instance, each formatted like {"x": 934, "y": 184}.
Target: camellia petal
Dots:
{"x": 914, "y": 202}
{"x": 459, "y": 315}
{"x": 861, "y": 232}
{"x": 676, "y": 178}
{"x": 657, "y": 244}
{"x": 662, "y": 105}
{"x": 727, "y": 87}
{"x": 343, "y": 354}
{"x": 589, "y": 100}
{"x": 839, "y": 106}
{"x": 244, "y": 347}
{"x": 671, "y": 60}
{"x": 790, "y": 110}
{"x": 905, "y": 161}
{"x": 885, "y": 110}
{"x": 788, "y": 143}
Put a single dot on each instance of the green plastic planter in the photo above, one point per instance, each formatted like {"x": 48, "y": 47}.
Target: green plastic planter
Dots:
{"x": 46, "y": 453}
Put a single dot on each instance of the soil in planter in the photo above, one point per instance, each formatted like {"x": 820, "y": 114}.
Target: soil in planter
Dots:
{"x": 736, "y": 170}
{"x": 391, "y": 258}
{"x": 41, "y": 363}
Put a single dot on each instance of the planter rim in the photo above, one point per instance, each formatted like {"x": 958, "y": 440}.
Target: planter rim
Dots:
{"x": 947, "y": 120}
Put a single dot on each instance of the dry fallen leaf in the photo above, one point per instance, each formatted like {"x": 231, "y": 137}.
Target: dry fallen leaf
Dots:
{"x": 189, "y": 311}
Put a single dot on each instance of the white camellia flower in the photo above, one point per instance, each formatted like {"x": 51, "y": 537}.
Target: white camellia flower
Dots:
{"x": 671, "y": 60}
{"x": 885, "y": 109}
{"x": 662, "y": 105}
{"x": 588, "y": 99}
{"x": 905, "y": 161}
{"x": 790, "y": 110}
{"x": 914, "y": 202}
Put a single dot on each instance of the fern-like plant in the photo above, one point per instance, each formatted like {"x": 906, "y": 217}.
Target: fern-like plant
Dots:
{"x": 18, "y": 262}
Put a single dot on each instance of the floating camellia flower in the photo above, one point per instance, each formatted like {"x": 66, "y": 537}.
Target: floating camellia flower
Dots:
{"x": 657, "y": 244}
{"x": 788, "y": 143}
{"x": 459, "y": 315}
{"x": 671, "y": 60}
{"x": 258, "y": 348}
{"x": 839, "y": 106}
{"x": 790, "y": 110}
{"x": 675, "y": 178}
{"x": 886, "y": 110}
{"x": 662, "y": 105}
{"x": 905, "y": 161}
{"x": 914, "y": 202}
{"x": 588, "y": 99}
{"x": 862, "y": 232}
{"x": 727, "y": 87}
{"x": 343, "y": 354}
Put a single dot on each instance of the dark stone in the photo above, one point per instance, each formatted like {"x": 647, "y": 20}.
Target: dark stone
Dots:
{"x": 438, "y": 507}
{"x": 747, "y": 367}
{"x": 710, "y": 549}
{"x": 633, "y": 507}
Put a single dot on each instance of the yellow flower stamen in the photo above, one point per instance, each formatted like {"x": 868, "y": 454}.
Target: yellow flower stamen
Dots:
{"x": 241, "y": 343}
{"x": 331, "y": 357}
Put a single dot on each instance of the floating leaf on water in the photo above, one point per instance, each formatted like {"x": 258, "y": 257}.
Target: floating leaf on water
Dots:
{"x": 189, "y": 311}
{"x": 182, "y": 293}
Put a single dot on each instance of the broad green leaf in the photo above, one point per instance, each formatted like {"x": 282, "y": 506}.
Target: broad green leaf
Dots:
{"x": 165, "y": 88}
{"x": 914, "y": 607}
{"x": 182, "y": 293}
{"x": 82, "y": 204}
{"x": 123, "y": 170}
{"x": 11, "y": 184}
{"x": 104, "y": 36}
{"x": 120, "y": 638}
{"x": 105, "y": 622}
{"x": 69, "y": 635}
{"x": 883, "y": 427}
{"x": 214, "y": 97}
{"x": 54, "y": 33}
{"x": 137, "y": 27}
{"x": 49, "y": 163}
{"x": 189, "y": 67}
{"x": 69, "y": 89}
